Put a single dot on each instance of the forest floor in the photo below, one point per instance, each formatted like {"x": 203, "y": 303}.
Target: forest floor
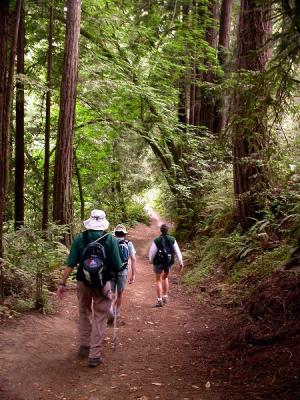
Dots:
{"x": 180, "y": 351}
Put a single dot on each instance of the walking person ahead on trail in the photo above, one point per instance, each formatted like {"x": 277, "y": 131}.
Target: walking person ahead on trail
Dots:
{"x": 118, "y": 282}
{"x": 161, "y": 254}
{"x": 97, "y": 253}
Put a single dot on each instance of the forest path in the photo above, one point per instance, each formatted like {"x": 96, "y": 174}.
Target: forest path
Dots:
{"x": 162, "y": 353}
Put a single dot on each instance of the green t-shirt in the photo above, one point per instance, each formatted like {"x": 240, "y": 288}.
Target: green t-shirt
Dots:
{"x": 111, "y": 248}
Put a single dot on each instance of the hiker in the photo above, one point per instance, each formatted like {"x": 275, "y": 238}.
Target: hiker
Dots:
{"x": 118, "y": 282}
{"x": 97, "y": 253}
{"x": 161, "y": 254}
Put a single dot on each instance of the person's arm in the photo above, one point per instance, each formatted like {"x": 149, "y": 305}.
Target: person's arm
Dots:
{"x": 132, "y": 256}
{"x": 178, "y": 255}
{"x": 133, "y": 268}
{"x": 152, "y": 252}
{"x": 72, "y": 260}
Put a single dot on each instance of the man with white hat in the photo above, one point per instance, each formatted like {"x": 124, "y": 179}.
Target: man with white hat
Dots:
{"x": 94, "y": 302}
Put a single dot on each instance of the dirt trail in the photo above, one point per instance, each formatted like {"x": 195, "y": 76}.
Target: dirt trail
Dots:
{"x": 161, "y": 352}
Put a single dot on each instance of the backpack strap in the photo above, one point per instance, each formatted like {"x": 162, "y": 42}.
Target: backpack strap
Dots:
{"x": 169, "y": 241}
{"x": 86, "y": 241}
{"x": 163, "y": 240}
{"x": 85, "y": 237}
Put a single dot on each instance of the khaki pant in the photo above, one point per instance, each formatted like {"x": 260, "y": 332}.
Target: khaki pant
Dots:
{"x": 93, "y": 312}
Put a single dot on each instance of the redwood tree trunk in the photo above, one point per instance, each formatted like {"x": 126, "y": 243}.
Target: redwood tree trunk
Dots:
{"x": 224, "y": 31}
{"x": 4, "y": 10}
{"x": 80, "y": 188}
{"x": 6, "y": 93}
{"x": 62, "y": 196}
{"x": 249, "y": 139}
{"x": 20, "y": 149}
{"x": 48, "y": 120}
{"x": 224, "y": 38}
{"x": 204, "y": 110}
{"x": 184, "y": 90}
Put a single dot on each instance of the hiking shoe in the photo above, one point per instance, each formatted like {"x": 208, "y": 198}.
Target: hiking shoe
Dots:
{"x": 94, "y": 362}
{"x": 83, "y": 351}
{"x": 165, "y": 299}
{"x": 159, "y": 303}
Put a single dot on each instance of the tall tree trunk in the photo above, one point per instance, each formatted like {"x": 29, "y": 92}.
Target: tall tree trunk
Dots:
{"x": 224, "y": 38}
{"x": 184, "y": 89}
{"x": 62, "y": 196}
{"x": 193, "y": 92}
{"x": 4, "y": 11}
{"x": 250, "y": 130}
{"x": 6, "y": 93}
{"x": 19, "y": 146}
{"x": 80, "y": 189}
{"x": 224, "y": 30}
{"x": 48, "y": 119}
{"x": 202, "y": 101}
{"x": 205, "y": 116}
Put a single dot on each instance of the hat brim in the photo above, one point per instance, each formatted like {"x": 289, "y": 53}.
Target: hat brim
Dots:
{"x": 121, "y": 230}
{"x": 93, "y": 224}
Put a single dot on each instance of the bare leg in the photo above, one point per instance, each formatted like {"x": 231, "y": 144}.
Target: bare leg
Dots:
{"x": 119, "y": 300}
{"x": 165, "y": 284}
{"x": 158, "y": 285}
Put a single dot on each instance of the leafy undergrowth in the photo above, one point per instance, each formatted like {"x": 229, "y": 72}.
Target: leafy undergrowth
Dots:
{"x": 255, "y": 274}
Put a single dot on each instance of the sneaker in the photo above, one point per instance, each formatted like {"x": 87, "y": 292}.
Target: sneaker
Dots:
{"x": 159, "y": 303}
{"x": 94, "y": 362}
{"x": 165, "y": 299}
{"x": 83, "y": 351}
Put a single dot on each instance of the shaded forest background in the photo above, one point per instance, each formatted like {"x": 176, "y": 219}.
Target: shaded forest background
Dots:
{"x": 190, "y": 107}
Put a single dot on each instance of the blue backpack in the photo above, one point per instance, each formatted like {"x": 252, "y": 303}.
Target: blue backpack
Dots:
{"x": 124, "y": 253}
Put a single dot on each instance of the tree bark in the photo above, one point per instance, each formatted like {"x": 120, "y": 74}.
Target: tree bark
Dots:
{"x": 6, "y": 93}
{"x": 224, "y": 38}
{"x": 250, "y": 103}
{"x": 80, "y": 188}
{"x": 205, "y": 115}
{"x": 45, "y": 218}
{"x": 62, "y": 196}
{"x": 4, "y": 11}
{"x": 19, "y": 146}
{"x": 224, "y": 31}
{"x": 184, "y": 88}
{"x": 201, "y": 101}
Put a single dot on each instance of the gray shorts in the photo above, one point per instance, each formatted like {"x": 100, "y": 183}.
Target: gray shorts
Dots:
{"x": 122, "y": 279}
{"x": 158, "y": 269}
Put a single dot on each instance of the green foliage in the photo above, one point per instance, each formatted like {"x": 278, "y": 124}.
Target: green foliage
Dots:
{"x": 242, "y": 258}
{"x": 253, "y": 269}
{"x": 29, "y": 254}
{"x": 134, "y": 57}
{"x": 136, "y": 213}
{"x": 206, "y": 254}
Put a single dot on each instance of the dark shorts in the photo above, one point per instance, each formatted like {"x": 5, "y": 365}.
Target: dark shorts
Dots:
{"x": 158, "y": 269}
{"x": 122, "y": 279}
